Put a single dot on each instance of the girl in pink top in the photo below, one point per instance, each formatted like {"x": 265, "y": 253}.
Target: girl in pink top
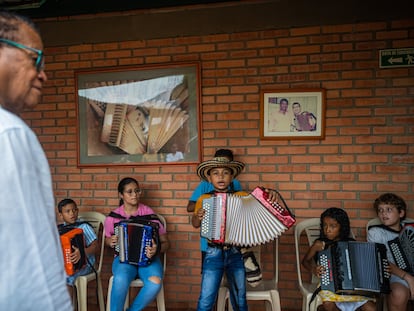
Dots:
{"x": 124, "y": 273}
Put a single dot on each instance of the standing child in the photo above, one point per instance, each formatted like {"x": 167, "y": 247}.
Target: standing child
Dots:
{"x": 124, "y": 273}
{"x": 68, "y": 212}
{"x": 335, "y": 226}
{"x": 221, "y": 258}
{"x": 206, "y": 187}
{"x": 391, "y": 210}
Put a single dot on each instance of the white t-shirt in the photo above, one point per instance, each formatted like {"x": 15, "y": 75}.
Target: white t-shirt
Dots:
{"x": 171, "y": 157}
{"x": 32, "y": 276}
{"x": 380, "y": 235}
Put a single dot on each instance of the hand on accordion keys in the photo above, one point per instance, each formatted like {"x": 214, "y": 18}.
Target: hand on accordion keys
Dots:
{"x": 150, "y": 251}
{"x": 75, "y": 256}
{"x": 273, "y": 196}
{"x": 200, "y": 213}
{"x": 113, "y": 241}
{"x": 319, "y": 271}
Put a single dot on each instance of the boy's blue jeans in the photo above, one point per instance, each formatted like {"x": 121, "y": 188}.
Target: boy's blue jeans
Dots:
{"x": 124, "y": 274}
{"x": 216, "y": 262}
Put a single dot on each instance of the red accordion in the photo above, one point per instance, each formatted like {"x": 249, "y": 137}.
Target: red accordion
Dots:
{"x": 69, "y": 239}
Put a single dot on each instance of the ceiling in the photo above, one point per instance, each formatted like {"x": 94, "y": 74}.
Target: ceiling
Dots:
{"x": 54, "y": 8}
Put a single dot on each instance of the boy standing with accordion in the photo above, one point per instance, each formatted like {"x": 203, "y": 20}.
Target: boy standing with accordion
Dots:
{"x": 221, "y": 258}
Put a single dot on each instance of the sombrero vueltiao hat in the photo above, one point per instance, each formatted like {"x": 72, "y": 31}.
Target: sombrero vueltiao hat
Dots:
{"x": 204, "y": 168}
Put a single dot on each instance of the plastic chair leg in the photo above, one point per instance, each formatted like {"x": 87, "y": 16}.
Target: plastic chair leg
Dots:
{"x": 160, "y": 299}
{"x": 221, "y": 299}
{"x": 81, "y": 294}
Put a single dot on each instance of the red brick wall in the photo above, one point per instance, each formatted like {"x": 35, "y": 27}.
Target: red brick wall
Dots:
{"x": 368, "y": 147}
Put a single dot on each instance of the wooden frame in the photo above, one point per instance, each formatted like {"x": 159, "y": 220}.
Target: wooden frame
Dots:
{"x": 304, "y": 117}
{"x": 139, "y": 115}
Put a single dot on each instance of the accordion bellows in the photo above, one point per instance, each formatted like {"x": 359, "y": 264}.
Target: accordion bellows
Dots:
{"x": 132, "y": 241}
{"x": 244, "y": 220}
{"x": 355, "y": 268}
{"x": 142, "y": 130}
{"x": 137, "y": 117}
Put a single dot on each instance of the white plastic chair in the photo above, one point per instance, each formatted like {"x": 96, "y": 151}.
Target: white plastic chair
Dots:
{"x": 97, "y": 220}
{"x": 377, "y": 221}
{"x": 310, "y": 227}
{"x": 138, "y": 283}
{"x": 266, "y": 291}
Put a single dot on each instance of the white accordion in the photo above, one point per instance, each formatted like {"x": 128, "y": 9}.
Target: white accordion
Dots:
{"x": 244, "y": 220}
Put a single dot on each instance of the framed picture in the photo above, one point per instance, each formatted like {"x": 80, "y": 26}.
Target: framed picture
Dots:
{"x": 292, "y": 114}
{"x": 139, "y": 115}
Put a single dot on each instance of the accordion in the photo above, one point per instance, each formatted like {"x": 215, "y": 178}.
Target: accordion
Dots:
{"x": 244, "y": 220}
{"x": 69, "y": 238}
{"x": 402, "y": 249}
{"x": 133, "y": 238}
{"x": 355, "y": 268}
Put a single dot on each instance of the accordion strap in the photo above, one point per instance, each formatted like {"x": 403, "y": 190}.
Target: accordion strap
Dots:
{"x": 382, "y": 226}
{"x": 142, "y": 217}
{"x": 62, "y": 228}
{"x": 314, "y": 294}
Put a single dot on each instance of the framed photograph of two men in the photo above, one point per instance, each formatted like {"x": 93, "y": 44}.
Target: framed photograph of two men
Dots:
{"x": 140, "y": 115}
{"x": 292, "y": 114}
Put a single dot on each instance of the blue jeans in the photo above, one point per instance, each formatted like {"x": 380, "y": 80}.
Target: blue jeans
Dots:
{"x": 124, "y": 274}
{"x": 216, "y": 262}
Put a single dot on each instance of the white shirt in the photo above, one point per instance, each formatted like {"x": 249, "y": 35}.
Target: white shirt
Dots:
{"x": 31, "y": 263}
{"x": 172, "y": 157}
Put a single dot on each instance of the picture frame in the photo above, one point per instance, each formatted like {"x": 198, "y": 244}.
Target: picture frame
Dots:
{"x": 292, "y": 114}
{"x": 140, "y": 115}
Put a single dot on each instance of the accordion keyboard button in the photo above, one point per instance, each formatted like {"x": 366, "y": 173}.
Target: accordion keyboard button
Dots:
{"x": 324, "y": 263}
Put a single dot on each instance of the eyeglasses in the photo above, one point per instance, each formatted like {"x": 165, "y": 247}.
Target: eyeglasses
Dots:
{"x": 136, "y": 191}
{"x": 39, "y": 61}
{"x": 386, "y": 210}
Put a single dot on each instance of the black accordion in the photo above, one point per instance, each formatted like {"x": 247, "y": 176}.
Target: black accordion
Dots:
{"x": 244, "y": 220}
{"x": 133, "y": 238}
{"x": 355, "y": 268}
{"x": 402, "y": 249}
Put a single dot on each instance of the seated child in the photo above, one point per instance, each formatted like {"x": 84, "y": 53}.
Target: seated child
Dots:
{"x": 68, "y": 212}
{"x": 335, "y": 226}
{"x": 391, "y": 210}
